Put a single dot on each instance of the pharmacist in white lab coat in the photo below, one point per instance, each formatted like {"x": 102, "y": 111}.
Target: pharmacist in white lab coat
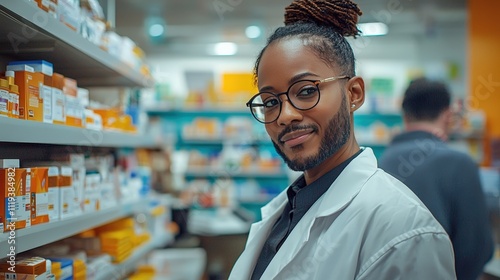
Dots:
{"x": 343, "y": 218}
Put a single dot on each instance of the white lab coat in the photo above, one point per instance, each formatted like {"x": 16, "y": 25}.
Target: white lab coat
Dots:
{"x": 368, "y": 225}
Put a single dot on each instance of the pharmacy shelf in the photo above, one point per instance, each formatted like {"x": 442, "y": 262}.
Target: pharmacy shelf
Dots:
{"x": 373, "y": 144}
{"x": 218, "y": 173}
{"x": 121, "y": 270}
{"x": 30, "y": 33}
{"x": 24, "y": 131}
{"x": 38, "y": 235}
{"x": 214, "y": 223}
{"x": 220, "y": 141}
{"x": 169, "y": 109}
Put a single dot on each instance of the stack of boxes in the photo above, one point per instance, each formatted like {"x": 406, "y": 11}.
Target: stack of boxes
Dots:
{"x": 119, "y": 238}
{"x": 31, "y": 90}
{"x": 87, "y": 18}
{"x": 42, "y": 93}
{"x": 66, "y": 186}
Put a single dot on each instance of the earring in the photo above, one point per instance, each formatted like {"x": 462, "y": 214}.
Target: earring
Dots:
{"x": 353, "y": 105}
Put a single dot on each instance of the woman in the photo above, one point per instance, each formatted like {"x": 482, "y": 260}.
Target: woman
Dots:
{"x": 343, "y": 218}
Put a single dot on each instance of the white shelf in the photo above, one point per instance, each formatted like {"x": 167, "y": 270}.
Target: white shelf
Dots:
{"x": 209, "y": 223}
{"x": 121, "y": 270}
{"x": 168, "y": 109}
{"x": 38, "y": 235}
{"x": 222, "y": 141}
{"x": 72, "y": 55}
{"x": 24, "y": 131}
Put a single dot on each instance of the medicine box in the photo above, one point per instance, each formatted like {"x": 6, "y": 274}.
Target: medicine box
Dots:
{"x": 40, "y": 195}
{"x": 47, "y": 70}
{"x": 54, "y": 206}
{"x": 30, "y": 99}
{"x": 31, "y": 265}
{"x": 15, "y": 206}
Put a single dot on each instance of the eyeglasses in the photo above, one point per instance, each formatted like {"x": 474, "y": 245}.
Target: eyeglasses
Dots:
{"x": 303, "y": 95}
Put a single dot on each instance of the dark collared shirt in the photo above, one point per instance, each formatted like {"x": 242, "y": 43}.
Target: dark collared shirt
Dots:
{"x": 300, "y": 199}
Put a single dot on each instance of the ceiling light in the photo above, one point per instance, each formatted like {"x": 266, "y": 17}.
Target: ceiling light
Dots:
{"x": 373, "y": 29}
{"x": 253, "y": 32}
{"x": 225, "y": 48}
{"x": 156, "y": 30}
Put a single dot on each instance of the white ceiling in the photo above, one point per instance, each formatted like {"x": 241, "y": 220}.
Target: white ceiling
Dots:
{"x": 192, "y": 25}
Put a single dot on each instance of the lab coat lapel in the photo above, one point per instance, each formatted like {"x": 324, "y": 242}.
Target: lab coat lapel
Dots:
{"x": 348, "y": 184}
{"x": 338, "y": 196}
{"x": 258, "y": 234}
{"x": 292, "y": 245}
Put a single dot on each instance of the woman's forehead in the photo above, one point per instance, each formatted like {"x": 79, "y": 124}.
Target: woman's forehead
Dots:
{"x": 287, "y": 58}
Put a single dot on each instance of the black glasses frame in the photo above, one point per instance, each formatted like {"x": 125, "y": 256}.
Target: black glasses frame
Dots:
{"x": 277, "y": 95}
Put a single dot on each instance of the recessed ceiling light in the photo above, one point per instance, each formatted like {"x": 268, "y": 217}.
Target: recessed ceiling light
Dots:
{"x": 225, "y": 48}
{"x": 373, "y": 29}
{"x": 156, "y": 30}
{"x": 253, "y": 32}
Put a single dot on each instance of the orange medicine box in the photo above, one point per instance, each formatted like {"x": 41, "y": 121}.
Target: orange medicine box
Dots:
{"x": 30, "y": 101}
{"x": 73, "y": 109}
{"x": 15, "y": 198}
{"x": 31, "y": 265}
{"x": 39, "y": 195}
{"x": 9, "y": 276}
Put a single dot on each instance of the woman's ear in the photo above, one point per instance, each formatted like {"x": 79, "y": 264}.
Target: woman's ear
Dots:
{"x": 356, "y": 91}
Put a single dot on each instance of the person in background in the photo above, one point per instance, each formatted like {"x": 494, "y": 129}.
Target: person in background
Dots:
{"x": 447, "y": 181}
{"x": 343, "y": 218}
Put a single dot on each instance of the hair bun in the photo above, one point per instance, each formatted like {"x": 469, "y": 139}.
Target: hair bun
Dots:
{"x": 342, "y": 15}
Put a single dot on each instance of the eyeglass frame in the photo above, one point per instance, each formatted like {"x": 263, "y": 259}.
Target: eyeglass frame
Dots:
{"x": 277, "y": 95}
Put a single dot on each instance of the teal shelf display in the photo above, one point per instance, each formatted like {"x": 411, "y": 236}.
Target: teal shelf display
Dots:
{"x": 230, "y": 145}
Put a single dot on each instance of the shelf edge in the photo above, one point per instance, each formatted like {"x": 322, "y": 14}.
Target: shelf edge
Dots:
{"x": 38, "y": 235}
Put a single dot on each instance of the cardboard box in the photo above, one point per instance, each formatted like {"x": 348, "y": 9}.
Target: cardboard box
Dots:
{"x": 58, "y": 103}
{"x": 68, "y": 12}
{"x": 92, "y": 193}
{"x": 66, "y": 267}
{"x": 23, "y": 276}
{"x": 73, "y": 109}
{"x": 67, "y": 198}
{"x": 15, "y": 212}
{"x": 40, "y": 195}
{"x": 31, "y": 265}
{"x": 77, "y": 164}
{"x": 46, "y": 94}
{"x": 62, "y": 194}
{"x": 41, "y": 66}
{"x": 20, "y": 67}
{"x": 30, "y": 101}
{"x": 54, "y": 198}
{"x": 50, "y": 6}
{"x": 47, "y": 70}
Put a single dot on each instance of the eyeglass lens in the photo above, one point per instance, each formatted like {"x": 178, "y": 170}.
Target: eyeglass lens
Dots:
{"x": 303, "y": 95}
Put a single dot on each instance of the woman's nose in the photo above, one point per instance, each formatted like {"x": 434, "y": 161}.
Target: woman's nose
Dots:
{"x": 288, "y": 113}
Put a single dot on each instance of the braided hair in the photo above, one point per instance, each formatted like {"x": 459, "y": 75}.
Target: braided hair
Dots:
{"x": 322, "y": 25}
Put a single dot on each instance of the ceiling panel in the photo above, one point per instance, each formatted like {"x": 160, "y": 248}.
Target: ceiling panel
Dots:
{"x": 196, "y": 23}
